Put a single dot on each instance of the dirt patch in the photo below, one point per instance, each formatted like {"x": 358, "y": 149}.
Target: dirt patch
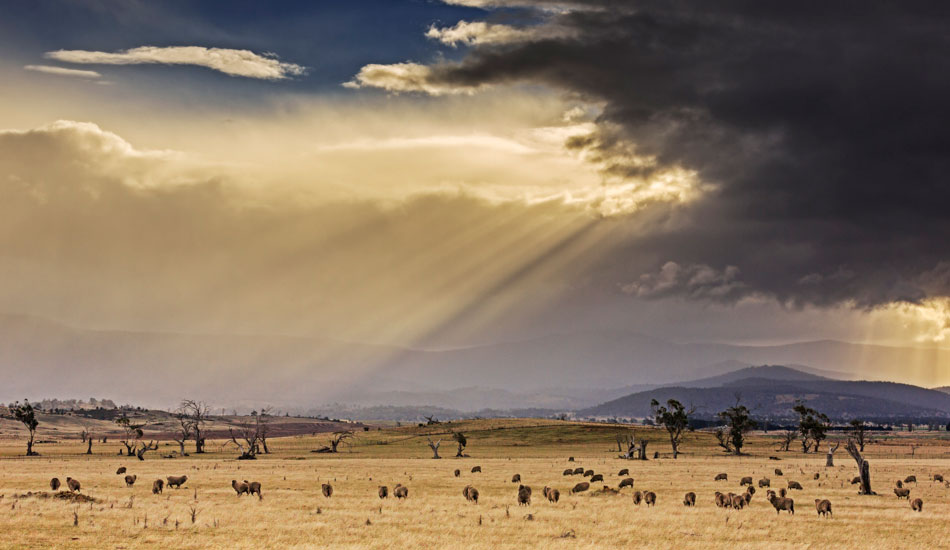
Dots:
{"x": 606, "y": 491}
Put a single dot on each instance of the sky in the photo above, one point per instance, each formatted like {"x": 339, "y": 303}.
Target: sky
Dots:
{"x": 437, "y": 174}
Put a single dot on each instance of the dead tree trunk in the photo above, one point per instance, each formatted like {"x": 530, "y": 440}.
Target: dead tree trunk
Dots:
{"x": 643, "y": 449}
{"x": 89, "y": 448}
{"x": 630, "y": 443}
{"x": 864, "y": 468}
{"x": 830, "y": 457}
{"x": 435, "y": 448}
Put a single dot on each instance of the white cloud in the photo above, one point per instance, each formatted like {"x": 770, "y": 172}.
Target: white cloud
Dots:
{"x": 62, "y": 71}
{"x": 228, "y": 61}
{"x": 480, "y": 32}
{"x": 405, "y": 77}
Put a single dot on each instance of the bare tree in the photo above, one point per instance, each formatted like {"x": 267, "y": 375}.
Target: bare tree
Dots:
{"x": 339, "y": 437}
{"x": 858, "y": 429}
{"x": 185, "y": 428}
{"x": 636, "y": 449}
{"x": 864, "y": 468}
{"x": 722, "y": 437}
{"x": 335, "y": 440}
{"x": 200, "y": 414}
{"x": 787, "y": 437}
{"x": 263, "y": 422}
{"x": 245, "y": 437}
{"x": 435, "y": 448}
{"x": 152, "y": 446}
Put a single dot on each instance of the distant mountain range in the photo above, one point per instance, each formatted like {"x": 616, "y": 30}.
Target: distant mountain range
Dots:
{"x": 40, "y": 358}
{"x": 771, "y": 392}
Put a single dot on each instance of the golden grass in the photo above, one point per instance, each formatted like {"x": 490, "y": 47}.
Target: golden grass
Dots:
{"x": 294, "y": 515}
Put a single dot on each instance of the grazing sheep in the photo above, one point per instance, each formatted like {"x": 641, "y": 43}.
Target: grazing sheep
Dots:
{"x": 911, "y": 479}
{"x": 855, "y": 480}
{"x": 747, "y": 496}
{"x": 554, "y": 495}
{"x": 596, "y": 477}
{"x": 239, "y": 488}
{"x": 254, "y": 488}
{"x": 902, "y": 493}
{"x": 750, "y": 489}
{"x": 626, "y": 472}
{"x": 327, "y": 490}
{"x": 738, "y": 502}
{"x": 823, "y": 507}
{"x": 471, "y": 494}
{"x": 384, "y": 491}
{"x": 120, "y": 471}
{"x": 721, "y": 477}
{"x": 157, "y": 487}
{"x": 917, "y": 505}
{"x": 54, "y": 484}
{"x": 401, "y": 492}
{"x": 637, "y": 497}
{"x": 524, "y": 495}
{"x": 765, "y": 482}
{"x": 745, "y": 481}
{"x": 570, "y": 459}
{"x": 626, "y": 482}
{"x": 477, "y": 469}
{"x": 176, "y": 481}
{"x": 795, "y": 485}
{"x": 580, "y": 487}
{"x": 568, "y": 472}
{"x": 73, "y": 484}
{"x": 899, "y": 484}
{"x": 778, "y": 472}
{"x": 689, "y": 499}
{"x": 516, "y": 478}
{"x": 458, "y": 472}
{"x": 130, "y": 480}
{"x": 938, "y": 477}
{"x": 578, "y": 471}
{"x": 720, "y": 500}
{"x": 781, "y": 503}
{"x": 649, "y": 498}
{"x": 588, "y": 473}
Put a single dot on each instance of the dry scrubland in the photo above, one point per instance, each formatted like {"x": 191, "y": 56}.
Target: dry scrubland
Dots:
{"x": 294, "y": 514}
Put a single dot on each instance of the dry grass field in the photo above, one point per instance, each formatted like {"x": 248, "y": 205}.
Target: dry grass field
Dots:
{"x": 293, "y": 513}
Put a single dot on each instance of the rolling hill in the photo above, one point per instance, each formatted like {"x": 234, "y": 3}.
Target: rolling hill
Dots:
{"x": 41, "y": 358}
{"x": 771, "y": 391}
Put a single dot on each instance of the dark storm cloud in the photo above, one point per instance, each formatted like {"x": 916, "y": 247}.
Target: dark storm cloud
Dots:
{"x": 822, "y": 127}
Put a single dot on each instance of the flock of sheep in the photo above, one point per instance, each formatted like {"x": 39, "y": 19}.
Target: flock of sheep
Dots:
{"x": 779, "y": 500}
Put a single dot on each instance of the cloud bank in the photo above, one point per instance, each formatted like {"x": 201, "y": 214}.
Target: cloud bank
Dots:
{"x": 819, "y": 145}
{"x": 231, "y": 62}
